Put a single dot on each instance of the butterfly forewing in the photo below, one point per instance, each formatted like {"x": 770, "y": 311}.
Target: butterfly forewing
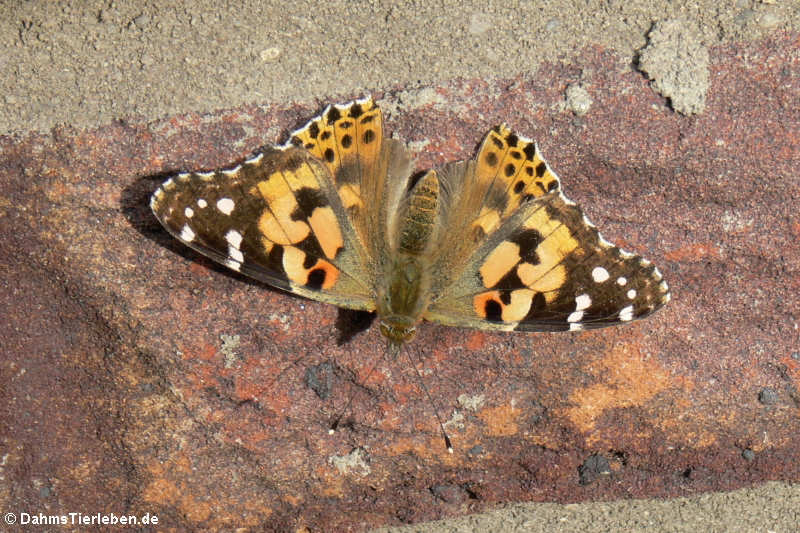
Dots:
{"x": 275, "y": 218}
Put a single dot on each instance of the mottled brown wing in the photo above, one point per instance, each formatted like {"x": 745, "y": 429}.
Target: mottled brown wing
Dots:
{"x": 277, "y": 218}
{"x": 534, "y": 261}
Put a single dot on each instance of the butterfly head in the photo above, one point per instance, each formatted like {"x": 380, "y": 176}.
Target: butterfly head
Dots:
{"x": 398, "y": 329}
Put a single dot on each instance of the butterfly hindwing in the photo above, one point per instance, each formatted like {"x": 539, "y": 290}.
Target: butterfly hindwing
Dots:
{"x": 277, "y": 218}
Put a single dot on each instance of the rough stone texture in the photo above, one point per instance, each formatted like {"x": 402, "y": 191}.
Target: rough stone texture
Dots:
{"x": 139, "y": 377}
{"x": 677, "y": 61}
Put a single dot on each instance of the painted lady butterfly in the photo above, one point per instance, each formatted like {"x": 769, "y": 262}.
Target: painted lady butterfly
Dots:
{"x": 337, "y": 215}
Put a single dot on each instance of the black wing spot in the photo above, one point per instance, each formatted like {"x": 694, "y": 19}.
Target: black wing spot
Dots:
{"x": 553, "y": 185}
{"x": 368, "y": 136}
{"x": 356, "y": 111}
{"x": 325, "y": 135}
{"x": 516, "y": 154}
{"x": 493, "y": 311}
{"x": 308, "y": 199}
{"x": 313, "y": 130}
{"x": 540, "y": 169}
{"x": 347, "y": 140}
{"x": 519, "y": 186}
{"x": 309, "y": 146}
{"x": 497, "y": 142}
{"x": 334, "y": 115}
{"x": 512, "y": 140}
{"x": 538, "y": 304}
{"x": 508, "y": 283}
{"x": 316, "y": 279}
{"x": 491, "y": 159}
{"x": 368, "y": 119}
{"x": 530, "y": 151}
{"x": 309, "y": 261}
{"x": 345, "y": 125}
{"x": 528, "y": 240}
{"x": 329, "y": 155}
{"x": 510, "y": 170}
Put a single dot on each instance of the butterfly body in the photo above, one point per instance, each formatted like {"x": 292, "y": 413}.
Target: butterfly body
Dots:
{"x": 338, "y": 215}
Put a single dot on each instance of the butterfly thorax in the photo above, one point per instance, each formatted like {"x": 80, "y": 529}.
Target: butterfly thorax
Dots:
{"x": 405, "y": 297}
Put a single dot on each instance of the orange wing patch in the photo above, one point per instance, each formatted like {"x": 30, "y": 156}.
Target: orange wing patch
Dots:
{"x": 527, "y": 266}
{"x": 347, "y": 139}
{"x": 512, "y": 170}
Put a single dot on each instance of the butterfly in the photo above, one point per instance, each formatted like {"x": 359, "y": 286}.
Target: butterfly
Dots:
{"x": 339, "y": 215}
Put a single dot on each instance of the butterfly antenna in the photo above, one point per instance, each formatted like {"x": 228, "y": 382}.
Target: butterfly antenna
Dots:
{"x": 430, "y": 399}
{"x": 338, "y": 419}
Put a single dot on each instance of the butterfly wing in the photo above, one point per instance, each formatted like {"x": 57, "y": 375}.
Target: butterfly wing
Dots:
{"x": 277, "y": 218}
{"x": 369, "y": 172}
{"x": 535, "y": 263}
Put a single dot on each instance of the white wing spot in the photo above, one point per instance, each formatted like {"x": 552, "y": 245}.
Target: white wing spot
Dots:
{"x": 202, "y": 203}
{"x": 632, "y": 294}
{"x": 234, "y": 265}
{"x": 225, "y": 205}
{"x": 599, "y": 274}
{"x": 582, "y": 302}
{"x": 205, "y": 175}
{"x": 575, "y": 316}
{"x": 575, "y": 326}
{"x": 189, "y": 212}
{"x": 187, "y": 235}
{"x": 235, "y": 254}
{"x": 234, "y": 238}
{"x": 622, "y": 280}
{"x": 626, "y": 313}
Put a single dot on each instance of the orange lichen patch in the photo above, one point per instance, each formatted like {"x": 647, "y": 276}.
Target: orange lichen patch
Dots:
{"x": 695, "y": 252}
{"x": 331, "y": 482}
{"x": 403, "y": 391}
{"x": 84, "y": 470}
{"x": 198, "y": 269}
{"x": 428, "y": 447}
{"x": 631, "y": 381}
{"x": 207, "y": 352}
{"x": 792, "y": 368}
{"x": 501, "y": 421}
{"x": 292, "y": 499}
{"x": 796, "y": 229}
{"x": 164, "y": 490}
{"x": 476, "y": 341}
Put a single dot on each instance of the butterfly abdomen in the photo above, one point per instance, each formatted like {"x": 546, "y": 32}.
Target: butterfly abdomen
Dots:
{"x": 420, "y": 218}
